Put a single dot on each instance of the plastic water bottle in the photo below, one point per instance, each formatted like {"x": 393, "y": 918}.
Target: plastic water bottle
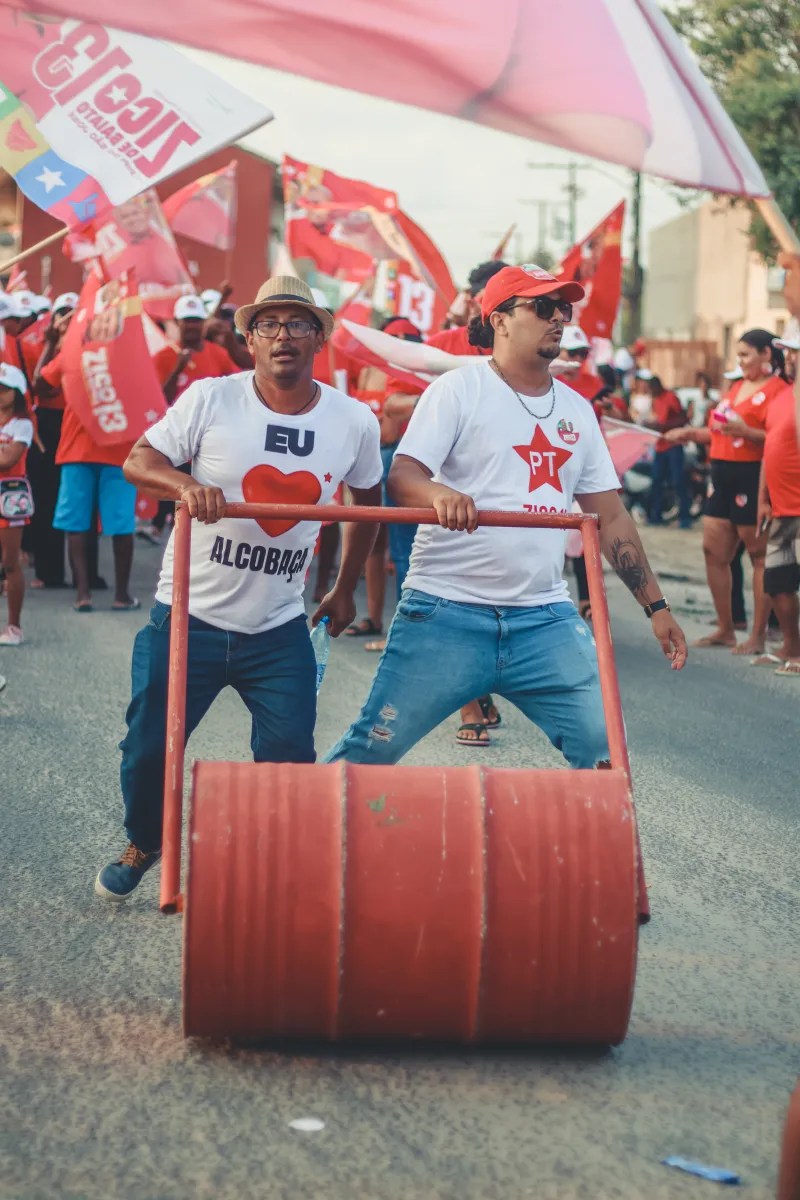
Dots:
{"x": 321, "y": 641}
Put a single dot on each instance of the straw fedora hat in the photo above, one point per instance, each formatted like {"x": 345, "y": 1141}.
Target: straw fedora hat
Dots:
{"x": 283, "y": 289}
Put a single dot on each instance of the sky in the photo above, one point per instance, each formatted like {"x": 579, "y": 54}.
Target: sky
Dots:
{"x": 465, "y": 184}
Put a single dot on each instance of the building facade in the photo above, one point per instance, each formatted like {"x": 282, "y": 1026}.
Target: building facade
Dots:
{"x": 705, "y": 283}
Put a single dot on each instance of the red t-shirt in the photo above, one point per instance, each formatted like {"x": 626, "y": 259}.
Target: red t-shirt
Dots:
{"x": 753, "y": 411}
{"x": 664, "y": 408}
{"x": 210, "y": 362}
{"x": 26, "y": 361}
{"x": 781, "y": 456}
{"x": 584, "y": 383}
{"x": 455, "y": 341}
{"x": 75, "y": 445}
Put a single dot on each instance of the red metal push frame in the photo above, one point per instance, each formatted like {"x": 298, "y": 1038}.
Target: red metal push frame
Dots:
{"x": 171, "y": 899}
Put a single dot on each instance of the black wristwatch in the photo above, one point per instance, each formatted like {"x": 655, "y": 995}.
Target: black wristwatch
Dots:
{"x": 656, "y": 606}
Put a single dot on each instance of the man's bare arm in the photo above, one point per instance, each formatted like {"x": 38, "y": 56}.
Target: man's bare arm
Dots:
{"x": 410, "y": 485}
{"x": 153, "y": 473}
{"x": 622, "y": 546}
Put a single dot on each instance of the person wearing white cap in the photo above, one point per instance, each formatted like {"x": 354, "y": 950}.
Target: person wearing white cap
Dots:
{"x": 40, "y": 304}
{"x": 212, "y": 298}
{"x": 47, "y": 542}
{"x": 575, "y": 350}
{"x": 16, "y": 435}
{"x": 25, "y": 302}
{"x": 273, "y": 434}
{"x": 197, "y": 358}
{"x": 16, "y": 315}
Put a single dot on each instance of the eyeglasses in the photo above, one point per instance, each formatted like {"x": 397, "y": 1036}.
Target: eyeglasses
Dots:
{"x": 272, "y": 329}
{"x": 545, "y": 307}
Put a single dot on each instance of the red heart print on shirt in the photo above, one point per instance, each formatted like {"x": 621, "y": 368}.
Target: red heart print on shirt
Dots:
{"x": 267, "y": 485}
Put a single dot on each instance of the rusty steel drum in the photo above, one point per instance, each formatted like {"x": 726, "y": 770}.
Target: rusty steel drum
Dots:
{"x": 789, "y": 1177}
{"x": 451, "y": 903}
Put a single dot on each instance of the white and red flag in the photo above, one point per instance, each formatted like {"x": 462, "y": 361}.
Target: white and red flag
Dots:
{"x": 607, "y": 78}
{"x": 90, "y": 116}
{"x": 205, "y": 210}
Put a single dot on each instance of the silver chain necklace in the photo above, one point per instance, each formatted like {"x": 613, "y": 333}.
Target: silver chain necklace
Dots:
{"x": 551, "y": 393}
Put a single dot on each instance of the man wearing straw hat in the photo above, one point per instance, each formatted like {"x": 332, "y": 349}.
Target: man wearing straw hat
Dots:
{"x": 272, "y": 435}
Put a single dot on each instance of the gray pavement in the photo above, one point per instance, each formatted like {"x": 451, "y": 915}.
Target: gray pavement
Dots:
{"x": 101, "y": 1097}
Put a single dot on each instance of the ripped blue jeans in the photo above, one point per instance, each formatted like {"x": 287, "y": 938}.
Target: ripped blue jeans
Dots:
{"x": 441, "y": 654}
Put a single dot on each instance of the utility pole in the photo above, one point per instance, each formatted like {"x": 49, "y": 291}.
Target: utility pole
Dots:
{"x": 545, "y": 209}
{"x": 637, "y": 277}
{"x": 571, "y": 188}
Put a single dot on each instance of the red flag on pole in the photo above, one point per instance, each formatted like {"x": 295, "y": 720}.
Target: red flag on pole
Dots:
{"x": 425, "y": 289}
{"x": 205, "y": 210}
{"x": 501, "y": 249}
{"x": 596, "y": 262}
{"x": 135, "y": 236}
{"x": 109, "y": 379}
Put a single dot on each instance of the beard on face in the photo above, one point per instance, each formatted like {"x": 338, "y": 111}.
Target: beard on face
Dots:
{"x": 549, "y": 352}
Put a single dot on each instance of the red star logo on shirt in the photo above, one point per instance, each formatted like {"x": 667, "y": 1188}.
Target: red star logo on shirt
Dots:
{"x": 544, "y": 459}
{"x": 328, "y": 477}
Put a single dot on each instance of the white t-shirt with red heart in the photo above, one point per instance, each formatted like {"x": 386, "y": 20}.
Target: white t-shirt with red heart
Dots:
{"x": 247, "y": 576}
{"x": 478, "y": 437}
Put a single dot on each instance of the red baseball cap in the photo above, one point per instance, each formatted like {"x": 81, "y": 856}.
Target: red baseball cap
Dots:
{"x": 525, "y": 281}
{"x": 399, "y": 326}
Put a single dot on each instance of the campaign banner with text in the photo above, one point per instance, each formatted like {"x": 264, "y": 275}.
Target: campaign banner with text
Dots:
{"x": 109, "y": 378}
{"x": 91, "y": 116}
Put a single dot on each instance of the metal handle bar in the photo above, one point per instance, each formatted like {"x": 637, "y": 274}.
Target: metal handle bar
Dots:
{"x": 171, "y": 899}
{"x": 407, "y": 516}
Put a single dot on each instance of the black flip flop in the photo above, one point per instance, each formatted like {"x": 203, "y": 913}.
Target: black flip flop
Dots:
{"x": 477, "y": 728}
{"x": 83, "y": 608}
{"x": 365, "y": 628}
{"x": 485, "y": 703}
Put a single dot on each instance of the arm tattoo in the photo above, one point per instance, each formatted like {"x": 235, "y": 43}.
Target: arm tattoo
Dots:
{"x": 630, "y": 565}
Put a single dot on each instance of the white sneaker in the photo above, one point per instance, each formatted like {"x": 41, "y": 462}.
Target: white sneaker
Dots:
{"x": 12, "y": 635}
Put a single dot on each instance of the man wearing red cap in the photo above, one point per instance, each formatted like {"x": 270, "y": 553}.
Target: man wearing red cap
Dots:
{"x": 487, "y": 610}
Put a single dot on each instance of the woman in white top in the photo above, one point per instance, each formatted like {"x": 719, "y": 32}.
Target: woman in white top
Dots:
{"x": 16, "y": 435}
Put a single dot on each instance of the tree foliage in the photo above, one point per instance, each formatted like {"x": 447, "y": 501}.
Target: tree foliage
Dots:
{"x": 750, "y": 52}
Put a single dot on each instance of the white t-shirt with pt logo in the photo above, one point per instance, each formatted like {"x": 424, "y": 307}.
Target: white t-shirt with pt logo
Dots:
{"x": 473, "y": 433}
{"x": 248, "y": 576}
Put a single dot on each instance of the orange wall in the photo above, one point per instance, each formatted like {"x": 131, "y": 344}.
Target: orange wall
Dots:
{"x": 248, "y": 260}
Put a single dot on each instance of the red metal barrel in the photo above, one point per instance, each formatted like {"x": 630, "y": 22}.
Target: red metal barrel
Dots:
{"x": 789, "y": 1177}
{"x": 452, "y": 903}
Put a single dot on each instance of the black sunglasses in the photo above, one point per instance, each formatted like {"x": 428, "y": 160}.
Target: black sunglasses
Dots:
{"x": 545, "y": 307}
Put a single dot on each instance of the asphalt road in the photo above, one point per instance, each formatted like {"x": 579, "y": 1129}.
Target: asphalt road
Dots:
{"x": 101, "y": 1097}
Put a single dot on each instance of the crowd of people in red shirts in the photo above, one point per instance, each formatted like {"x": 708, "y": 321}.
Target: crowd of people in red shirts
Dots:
{"x": 58, "y": 488}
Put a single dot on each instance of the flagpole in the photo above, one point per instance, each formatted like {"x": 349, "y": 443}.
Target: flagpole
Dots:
{"x": 781, "y": 230}
{"x": 48, "y": 241}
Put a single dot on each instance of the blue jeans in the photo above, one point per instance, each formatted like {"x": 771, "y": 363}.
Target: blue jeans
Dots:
{"x": 669, "y": 465}
{"x": 401, "y": 537}
{"x": 441, "y": 654}
{"x": 274, "y": 673}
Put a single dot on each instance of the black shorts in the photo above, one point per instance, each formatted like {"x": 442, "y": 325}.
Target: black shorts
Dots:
{"x": 733, "y": 491}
